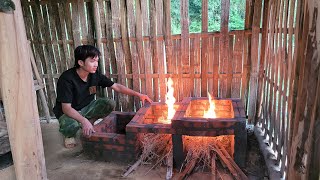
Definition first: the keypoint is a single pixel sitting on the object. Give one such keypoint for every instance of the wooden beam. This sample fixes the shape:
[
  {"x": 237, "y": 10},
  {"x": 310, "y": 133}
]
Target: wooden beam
[
  {"x": 307, "y": 106},
  {"x": 19, "y": 97}
]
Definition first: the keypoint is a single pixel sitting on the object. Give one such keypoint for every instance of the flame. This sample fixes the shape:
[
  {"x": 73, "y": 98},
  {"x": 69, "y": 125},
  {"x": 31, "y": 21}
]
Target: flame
[
  {"x": 211, "y": 111},
  {"x": 170, "y": 100}
]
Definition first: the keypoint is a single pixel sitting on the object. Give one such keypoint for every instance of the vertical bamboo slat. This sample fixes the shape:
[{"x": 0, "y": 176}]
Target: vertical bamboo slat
[
  {"x": 225, "y": 85},
  {"x": 134, "y": 53},
  {"x": 140, "y": 45},
  {"x": 237, "y": 65},
  {"x": 204, "y": 49},
  {"x": 146, "y": 47},
  {"x": 126, "y": 49},
  {"x": 215, "y": 91},
  {"x": 160, "y": 46},
  {"x": 115, "y": 8},
  {"x": 184, "y": 60},
  {"x": 154, "y": 48},
  {"x": 254, "y": 61}
]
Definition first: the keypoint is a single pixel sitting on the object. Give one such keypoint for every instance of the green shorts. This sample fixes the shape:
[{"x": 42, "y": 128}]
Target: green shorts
[{"x": 96, "y": 109}]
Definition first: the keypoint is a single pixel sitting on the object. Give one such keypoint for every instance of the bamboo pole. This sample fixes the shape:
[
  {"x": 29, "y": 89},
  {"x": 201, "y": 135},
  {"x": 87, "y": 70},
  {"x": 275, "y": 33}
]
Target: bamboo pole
[{"x": 19, "y": 98}]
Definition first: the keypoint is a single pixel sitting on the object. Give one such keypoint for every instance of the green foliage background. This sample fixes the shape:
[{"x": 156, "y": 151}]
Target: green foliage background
[{"x": 236, "y": 15}]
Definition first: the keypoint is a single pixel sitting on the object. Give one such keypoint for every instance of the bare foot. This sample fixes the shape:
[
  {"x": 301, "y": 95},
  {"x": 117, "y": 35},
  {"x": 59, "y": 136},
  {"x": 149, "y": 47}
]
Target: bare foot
[{"x": 70, "y": 142}]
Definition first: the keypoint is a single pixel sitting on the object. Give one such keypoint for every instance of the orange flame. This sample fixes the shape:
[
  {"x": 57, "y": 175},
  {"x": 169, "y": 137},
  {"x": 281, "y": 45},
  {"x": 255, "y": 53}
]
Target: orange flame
[
  {"x": 211, "y": 111},
  {"x": 170, "y": 100}
]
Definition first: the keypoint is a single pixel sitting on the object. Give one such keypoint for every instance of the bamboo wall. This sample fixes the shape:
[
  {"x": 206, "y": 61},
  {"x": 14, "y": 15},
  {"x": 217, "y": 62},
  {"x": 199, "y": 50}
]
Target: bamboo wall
[
  {"x": 138, "y": 49},
  {"x": 260, "y": 65}
]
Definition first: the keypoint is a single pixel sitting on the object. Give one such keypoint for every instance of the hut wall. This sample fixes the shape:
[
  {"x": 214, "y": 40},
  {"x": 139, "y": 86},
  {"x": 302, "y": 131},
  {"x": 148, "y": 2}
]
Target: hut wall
[
  {"x": 265, "y": 65},
  {"x": 138, "y": 48}
]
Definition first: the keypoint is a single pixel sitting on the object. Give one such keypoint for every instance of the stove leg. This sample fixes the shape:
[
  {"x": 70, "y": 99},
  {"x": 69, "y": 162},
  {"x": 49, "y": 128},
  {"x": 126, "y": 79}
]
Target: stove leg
[{"x": 178, "y": 153}]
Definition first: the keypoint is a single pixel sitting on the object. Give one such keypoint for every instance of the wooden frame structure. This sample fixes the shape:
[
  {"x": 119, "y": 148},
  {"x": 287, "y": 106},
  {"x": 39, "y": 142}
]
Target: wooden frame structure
[{"x": 273, "y": 65}]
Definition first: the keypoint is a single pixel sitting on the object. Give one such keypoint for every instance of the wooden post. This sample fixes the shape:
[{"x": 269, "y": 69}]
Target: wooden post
[
  {"x": 307, "y": 107},
  {"x": 254, "y": 61},
  {"x": 19, "y": 97}
]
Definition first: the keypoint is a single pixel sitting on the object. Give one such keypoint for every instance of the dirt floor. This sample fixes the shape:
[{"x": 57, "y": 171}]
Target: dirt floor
[{"x": 72, "y": 164}]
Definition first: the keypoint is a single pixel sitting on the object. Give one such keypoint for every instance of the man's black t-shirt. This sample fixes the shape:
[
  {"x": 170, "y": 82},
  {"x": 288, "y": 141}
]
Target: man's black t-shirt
[{"x": 72, "y": 89}]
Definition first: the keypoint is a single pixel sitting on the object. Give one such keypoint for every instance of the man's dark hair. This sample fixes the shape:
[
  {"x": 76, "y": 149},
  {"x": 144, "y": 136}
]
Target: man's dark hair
[{"x": 83, "y": 52}]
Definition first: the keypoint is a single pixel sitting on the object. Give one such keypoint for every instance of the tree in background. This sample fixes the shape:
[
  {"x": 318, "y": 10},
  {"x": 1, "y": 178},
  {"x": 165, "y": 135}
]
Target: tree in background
[{"x": 236, "y": 15}]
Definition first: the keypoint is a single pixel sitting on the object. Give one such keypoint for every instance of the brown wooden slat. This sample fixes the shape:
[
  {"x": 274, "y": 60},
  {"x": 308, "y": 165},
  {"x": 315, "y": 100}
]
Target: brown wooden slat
[
  {"x": 90, "y": 22},
  {"x": 237, "y": 65},
  {"x": 65, "y": 58},
  {"x": 185, "y": 64},
  {"x": 115, "y": 7},
  {"x": 75, "y": 24},
  {"x": 140, "y": 44},
  {"x": 225, "y": 87},
  {"x": 134, "y": 53},
  {"x": 210, "y": 65},
  {"x": 146, "y": 47},
  {"x": 216, "y": 61},
  {"x": 154, "y": 48},
  {"x": 110, "y": 61},
  {"x": 287, "y": 84},
  {"x": 126, "y": 49},
  {"x": 204, "y": 50},
  {"x": 254, "y": 61},
  {"x": 160, "y": 46}
]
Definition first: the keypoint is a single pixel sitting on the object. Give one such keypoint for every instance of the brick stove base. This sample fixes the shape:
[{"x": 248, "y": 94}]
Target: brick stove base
[{"x": 110, "y": 142}]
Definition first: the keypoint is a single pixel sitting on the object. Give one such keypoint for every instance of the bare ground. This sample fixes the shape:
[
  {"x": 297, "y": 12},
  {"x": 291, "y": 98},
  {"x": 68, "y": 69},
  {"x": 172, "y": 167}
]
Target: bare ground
[{"x": 72, "y": 164}]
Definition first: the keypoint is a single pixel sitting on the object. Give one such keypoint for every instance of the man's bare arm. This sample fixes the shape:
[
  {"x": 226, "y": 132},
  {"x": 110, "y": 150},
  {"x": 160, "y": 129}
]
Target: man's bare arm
[{"x": 122, "y": 89}]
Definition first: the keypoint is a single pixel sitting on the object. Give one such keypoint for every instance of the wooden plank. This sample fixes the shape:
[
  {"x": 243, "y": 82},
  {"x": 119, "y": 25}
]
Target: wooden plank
[
  {"x": 204, "y": 49},
  {"x": 237, "y": 64},
  {"x": 146, "y": 47},
  {"x": 185, "y": 64},
  {"x": 69, "y": 35},
  {"x": 224, "y": 49},
  {"x": 177, "y": 69},
  {"x": 196, "y": 68},
  {"x": 213, "y": 166},
  {"x": 210, "y": 65},
  {"x": 169, "y": 43},
  {"x": 75, "y": 23},
  {"x": 307, "y": 105},
  {"x": 273, "y": 132},
  {"x": 90, "y": 22},
  {"x": 126, "y": 49},
  {"x": 61, "y": 31},
  {"x": 247, "y": 53},
  {"x": 287, "y": 84},
  {"x": 160, "y": 45},
  {"x": 22, "y": 120},
  {"x": 140, "y": 44},
  {"x": 215, "y": 91},
  {"x": 134, "y": 53},
  {"x": 115, "y": 8},
  {"x": 262, "y": 66},
  {"x": 283, "y": 80},
  {"x": 254, "y": 61},
  {"x": 111, "y": 61},
  {"x": 154, "y": 48}
]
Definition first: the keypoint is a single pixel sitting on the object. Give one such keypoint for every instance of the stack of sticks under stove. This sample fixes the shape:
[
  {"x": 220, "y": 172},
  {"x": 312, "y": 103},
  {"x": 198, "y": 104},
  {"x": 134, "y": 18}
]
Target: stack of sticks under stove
[{"x": 201, "y": 151}]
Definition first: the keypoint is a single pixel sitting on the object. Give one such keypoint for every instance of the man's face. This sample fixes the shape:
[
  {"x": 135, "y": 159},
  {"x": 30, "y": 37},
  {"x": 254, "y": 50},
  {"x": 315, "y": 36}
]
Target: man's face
[{"x": 90, "y": 64}]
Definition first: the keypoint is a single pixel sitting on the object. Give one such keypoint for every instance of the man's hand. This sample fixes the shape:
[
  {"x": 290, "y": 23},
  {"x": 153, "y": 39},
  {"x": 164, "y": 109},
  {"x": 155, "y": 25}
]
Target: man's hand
[
  {"x": 87, "y": 129},
  {"x": 144, "y": 98}
]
